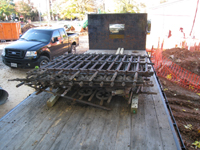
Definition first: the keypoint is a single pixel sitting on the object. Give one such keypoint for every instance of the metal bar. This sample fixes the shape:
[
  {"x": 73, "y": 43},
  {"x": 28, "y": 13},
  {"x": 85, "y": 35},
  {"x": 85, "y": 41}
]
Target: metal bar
[
  {"x": 146, "y": 65},
  {"x": 66, "y": 91},
  {"x": 109, "y": 99},
  {"x": 110, "y": 66},
  {"x": 102, "y": 57},
  {"x": 114, "y": 76},
  {"x": 69, "y": 65},
  {"x": 95, "y": 58},
  {"x": 116, "y": 58},
  {"x": 119, "y": 66},
  {"x": 94, "y": 65},
  {"x": 94, "y": 75},
  {"x": 109, "y": 58},
  {"x": 102, "y": 66},
  {"x": 20, "y": 84},
  {"x": 130, "y": 98},
  {"x": 88, "y": 57},
  {"x": 90, "y": 98},
  {"x": 124, "y": 58},
  {"x": 77, "y": 66},
  {"x": 73, "y": 76},
  {"x": 84, "y": 67},
  {"x": 128, "y": 67}
]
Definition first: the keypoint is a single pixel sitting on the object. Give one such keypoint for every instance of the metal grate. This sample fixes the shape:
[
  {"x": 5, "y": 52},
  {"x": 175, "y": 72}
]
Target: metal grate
[
  {"x": 103, "y": 75},
  {"x": 94, "y": 70}
]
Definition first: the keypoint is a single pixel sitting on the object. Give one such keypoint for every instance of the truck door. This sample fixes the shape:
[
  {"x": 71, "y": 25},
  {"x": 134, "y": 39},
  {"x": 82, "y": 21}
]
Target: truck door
[
  {"x": 65, "y": 43},
  {"x": 56, "y": 44}
]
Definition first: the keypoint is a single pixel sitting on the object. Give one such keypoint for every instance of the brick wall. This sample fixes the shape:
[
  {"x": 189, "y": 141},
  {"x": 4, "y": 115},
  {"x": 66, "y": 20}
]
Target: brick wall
[{"x": 134, "y": 33}]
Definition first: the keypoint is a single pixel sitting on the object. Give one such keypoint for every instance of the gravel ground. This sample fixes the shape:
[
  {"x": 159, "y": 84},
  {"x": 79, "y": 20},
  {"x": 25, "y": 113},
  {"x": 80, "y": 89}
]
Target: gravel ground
[{"x": 16, "y": 95}]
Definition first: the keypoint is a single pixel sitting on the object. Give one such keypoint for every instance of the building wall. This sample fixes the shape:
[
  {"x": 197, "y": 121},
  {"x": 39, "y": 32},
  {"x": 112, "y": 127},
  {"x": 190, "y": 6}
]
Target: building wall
[{"x": 173, "y": 16}]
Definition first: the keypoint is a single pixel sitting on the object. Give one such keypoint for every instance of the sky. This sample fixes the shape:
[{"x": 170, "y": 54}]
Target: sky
[{"x": 170, "y": 15}]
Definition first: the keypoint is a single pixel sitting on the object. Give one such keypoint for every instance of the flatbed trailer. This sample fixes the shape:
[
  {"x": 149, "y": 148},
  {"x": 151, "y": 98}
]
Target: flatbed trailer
[
  {"x": 70, "y": 125},
  {"x": 32, "y": 125}
]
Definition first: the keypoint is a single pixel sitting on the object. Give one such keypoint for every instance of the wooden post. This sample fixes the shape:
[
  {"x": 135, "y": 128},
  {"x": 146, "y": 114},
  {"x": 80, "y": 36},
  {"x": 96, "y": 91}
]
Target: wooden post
[
  {"x": 134, "y": 104},
  {"x": 53, "y": 99}
]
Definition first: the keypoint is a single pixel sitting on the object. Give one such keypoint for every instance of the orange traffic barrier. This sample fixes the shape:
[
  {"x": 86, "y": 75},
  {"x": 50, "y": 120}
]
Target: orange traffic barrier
[{"x": 173, "y": 72}]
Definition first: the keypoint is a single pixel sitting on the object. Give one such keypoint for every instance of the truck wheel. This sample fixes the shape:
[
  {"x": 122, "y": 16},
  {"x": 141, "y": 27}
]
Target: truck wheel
[
  {"x": 73, "y": 49},
  {"x": 43, "y": 61}
]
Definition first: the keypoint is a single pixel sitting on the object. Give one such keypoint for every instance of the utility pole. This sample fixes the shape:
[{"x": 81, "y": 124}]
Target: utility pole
[
  {"x": 52, "y": 10},
  {"x": 48, "y": 12},
  {"x": 39, "y": 12}
]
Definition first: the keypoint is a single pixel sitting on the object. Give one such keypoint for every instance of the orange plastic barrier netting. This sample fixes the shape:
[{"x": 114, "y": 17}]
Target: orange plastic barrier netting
[{"x": 173, "y": 72}]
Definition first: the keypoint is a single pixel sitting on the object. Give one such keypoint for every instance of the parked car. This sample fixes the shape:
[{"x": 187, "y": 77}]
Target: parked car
[{"x": 38, "y": 46}]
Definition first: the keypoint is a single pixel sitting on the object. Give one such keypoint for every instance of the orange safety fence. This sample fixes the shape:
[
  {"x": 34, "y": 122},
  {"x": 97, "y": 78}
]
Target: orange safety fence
[{"x": 173, "y": 72}]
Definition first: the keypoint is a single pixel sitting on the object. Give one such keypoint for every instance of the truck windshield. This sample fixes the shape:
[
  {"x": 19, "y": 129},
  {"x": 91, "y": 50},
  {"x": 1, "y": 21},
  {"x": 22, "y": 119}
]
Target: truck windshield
[{"x": 37, "y": 35}]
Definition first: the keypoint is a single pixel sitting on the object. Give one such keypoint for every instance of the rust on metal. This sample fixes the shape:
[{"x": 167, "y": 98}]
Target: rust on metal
[{"x": 93, "y": 74}]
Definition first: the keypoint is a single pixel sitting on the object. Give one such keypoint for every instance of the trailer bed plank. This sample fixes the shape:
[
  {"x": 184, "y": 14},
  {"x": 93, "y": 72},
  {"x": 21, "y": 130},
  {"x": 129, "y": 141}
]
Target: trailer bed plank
[
  {"x": 153, "y": 137},
  {"x": 164, "y": 126},
  {"x": 27, "y": 130},
  {"x": 108, "y": 138},
  {"x": 70, "y": 127},
  {"x": 124, "y": 127},
  {"x": 16, "y": 125},
  {"x": 38, "y": 135},
  {"x": 82, "y": 129},
  {"x": 12, "y": 119},
  {"x": 138, "y": 127}
]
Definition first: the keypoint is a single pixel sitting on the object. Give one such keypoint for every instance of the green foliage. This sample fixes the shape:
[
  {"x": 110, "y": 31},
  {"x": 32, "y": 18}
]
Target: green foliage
[
  {"x": 6, "y": 8},
  {"x": 68, "y": 9},
  {"x": 23, "y": 9},
  {"x": 128, "y": 6}
]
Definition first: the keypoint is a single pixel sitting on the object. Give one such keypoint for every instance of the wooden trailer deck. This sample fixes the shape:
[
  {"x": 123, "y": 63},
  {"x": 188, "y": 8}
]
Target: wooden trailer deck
[
  {"x": 73, "y": 126},
  {"x": 32, "y": 125}
]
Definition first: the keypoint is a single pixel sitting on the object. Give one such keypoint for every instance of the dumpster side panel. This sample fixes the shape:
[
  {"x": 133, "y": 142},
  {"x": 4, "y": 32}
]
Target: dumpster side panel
[
  {"x": 10, "y": 31},
  {"x": 1, "y": 32}
]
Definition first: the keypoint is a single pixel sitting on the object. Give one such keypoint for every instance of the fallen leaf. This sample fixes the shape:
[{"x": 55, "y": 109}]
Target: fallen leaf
[
  {"x": 196, "y": 144},
  {"x": 198, "y": 94},
  {"x": 183, "y": 110},
  {"x": 169, "y": 76},
  {"x": 189, "y": 126},
  {"x": 165, "y": 89}
]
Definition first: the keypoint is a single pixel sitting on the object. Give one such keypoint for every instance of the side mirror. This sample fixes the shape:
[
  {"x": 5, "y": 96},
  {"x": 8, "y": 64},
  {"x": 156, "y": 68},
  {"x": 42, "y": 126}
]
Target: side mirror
[
  {"x": 52, "y": 40},
  {"x": 148, "y": 28}
]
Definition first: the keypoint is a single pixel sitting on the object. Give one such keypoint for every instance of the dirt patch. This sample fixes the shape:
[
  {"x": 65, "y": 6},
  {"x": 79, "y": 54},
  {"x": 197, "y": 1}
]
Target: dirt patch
[
  {"x": 185, "y": 104},
  {"x": 26, "y": 27},
  {"x": 184, "y": 58}
]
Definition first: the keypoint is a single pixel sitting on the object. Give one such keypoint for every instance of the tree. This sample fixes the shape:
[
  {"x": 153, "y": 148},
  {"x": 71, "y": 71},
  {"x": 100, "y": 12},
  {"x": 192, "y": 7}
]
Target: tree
[
  {"x": 23, "y": 9},
  {"x": 128, "y": 6},
  {"x": 6, "y": 8},
  {"x": 73, "y": 8}
]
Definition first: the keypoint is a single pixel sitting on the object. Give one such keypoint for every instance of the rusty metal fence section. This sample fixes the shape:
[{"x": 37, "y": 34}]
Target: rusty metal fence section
[
  {"x": 103, "y": 75},
  {"x": 93, "y": 70}
]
